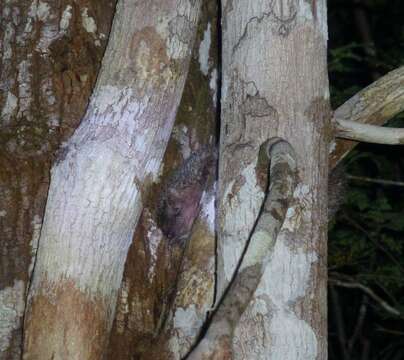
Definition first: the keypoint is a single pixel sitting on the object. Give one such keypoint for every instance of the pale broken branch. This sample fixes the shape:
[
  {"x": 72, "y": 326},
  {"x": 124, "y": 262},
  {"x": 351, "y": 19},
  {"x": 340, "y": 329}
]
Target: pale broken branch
[
  {"x": 216, "y": 344},
  {"x": 353, "y": 130},
  {"x": 374, "y": 105}
]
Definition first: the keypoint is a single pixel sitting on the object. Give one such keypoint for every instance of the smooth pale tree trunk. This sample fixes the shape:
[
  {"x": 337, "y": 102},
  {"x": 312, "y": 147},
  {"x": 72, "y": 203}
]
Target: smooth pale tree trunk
[
  {"x": 275, "y": 85},
  {"x": 49, "y": 58},
  {"x": 149, "y": 323},
  {"x": 102, "y": 176}
]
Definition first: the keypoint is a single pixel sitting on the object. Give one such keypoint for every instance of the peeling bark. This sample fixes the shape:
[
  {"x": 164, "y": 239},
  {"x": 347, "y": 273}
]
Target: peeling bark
[
  {"x": 49, "y": 63},
  {"x": 102, "y": 176},
  {"x": 275, "y": 85}
]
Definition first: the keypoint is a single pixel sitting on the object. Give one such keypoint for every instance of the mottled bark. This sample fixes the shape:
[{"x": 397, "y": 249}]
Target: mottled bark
[
  {"x": 148, "y": 324},
  {"x": 49, "y": 58},
  {"x": 275, "y": 85},
  {"x": 258, "y": 253},
  {"x": 102, "y": 176}
]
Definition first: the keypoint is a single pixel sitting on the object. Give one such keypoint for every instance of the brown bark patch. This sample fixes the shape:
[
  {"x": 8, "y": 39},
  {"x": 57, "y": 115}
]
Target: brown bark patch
[
  {"x": 319, "y": 106},
  {"x": 65, "y": 324},
  {"x": 148, "y": 51},
  {"x": 147, "y": 294}
]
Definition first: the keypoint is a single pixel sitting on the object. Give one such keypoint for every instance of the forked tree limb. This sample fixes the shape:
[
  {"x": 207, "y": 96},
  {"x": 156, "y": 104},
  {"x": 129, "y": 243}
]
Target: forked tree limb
[
  {"x": 374, "y": 105},
  {"x": 217, "y": 342}
]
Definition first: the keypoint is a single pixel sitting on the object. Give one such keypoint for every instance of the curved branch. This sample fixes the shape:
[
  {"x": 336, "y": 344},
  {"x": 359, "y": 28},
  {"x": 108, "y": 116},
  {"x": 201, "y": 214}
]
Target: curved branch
[
  {"x": 353, "y": 130},
  {"x": 216, "y": 344},
  {"x": 376, "y": 104}
]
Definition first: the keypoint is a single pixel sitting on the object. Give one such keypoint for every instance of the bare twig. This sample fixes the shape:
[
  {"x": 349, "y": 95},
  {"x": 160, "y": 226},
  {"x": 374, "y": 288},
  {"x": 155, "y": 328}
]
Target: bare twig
[
  {"x": 217, "y": 341},
  {"x": 389, "y": 331},
  {"x": 376, "y": 181},
  {"x": 369, "y": 292}
]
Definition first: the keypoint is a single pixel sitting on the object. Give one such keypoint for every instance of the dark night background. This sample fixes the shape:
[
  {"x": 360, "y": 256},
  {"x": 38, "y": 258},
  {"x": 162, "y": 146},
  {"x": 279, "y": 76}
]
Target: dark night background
[{"x": 366, "y": 238}]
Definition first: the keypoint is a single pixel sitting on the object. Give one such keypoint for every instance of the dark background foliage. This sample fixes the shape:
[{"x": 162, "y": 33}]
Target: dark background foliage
[{"x": 366, "y": 238}]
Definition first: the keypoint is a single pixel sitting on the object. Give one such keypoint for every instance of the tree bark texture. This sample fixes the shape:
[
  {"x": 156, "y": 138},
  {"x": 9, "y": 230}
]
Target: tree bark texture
[
  {"x": 218, "y": 339},
  {"x": 168, "y": 284},
  {"x": 275, "y": 85},
  {"x": 49, "y": 58},
  {"x": 102, "y": 176}
]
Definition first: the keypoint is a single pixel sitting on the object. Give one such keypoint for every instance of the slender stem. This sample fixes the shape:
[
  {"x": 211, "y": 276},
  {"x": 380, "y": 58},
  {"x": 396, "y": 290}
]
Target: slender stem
[
  {"x": 369, "y": 292},
  {"x": 376, "y": 181},
  {"x": 388, "y": 331}
]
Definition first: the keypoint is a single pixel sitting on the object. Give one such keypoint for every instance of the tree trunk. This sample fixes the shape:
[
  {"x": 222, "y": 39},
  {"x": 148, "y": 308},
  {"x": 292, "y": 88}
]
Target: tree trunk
[
  {"x": 101, "y": 178},
  {"x": 49, "y": 59},
  {"x": 149, "y": 323},
  {"x": 275, "y": 85}
]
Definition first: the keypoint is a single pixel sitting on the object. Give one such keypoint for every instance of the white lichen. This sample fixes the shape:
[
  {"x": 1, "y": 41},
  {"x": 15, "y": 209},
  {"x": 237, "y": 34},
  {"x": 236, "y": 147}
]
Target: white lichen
[
  {"x": 88, "y": 22},
  {"x": 24, "y": 79},
  {"x": 90, "y": 26},
  {"x": 181, "y": 135},
  {"x": 65, "y": 19},
  {"x": 204, "y": 49},
  {"x": 208, "y": 209},
  {"x": 154, "y": 236},
  {"x": 7, "y": 50},
  {"x": 11, "y": 311},
  {"x": 9, "y": 107},
  {"x": 333, "y": 146},
  {"x": 213, "y": 85},
  {"x": 42, "y": 11}
]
